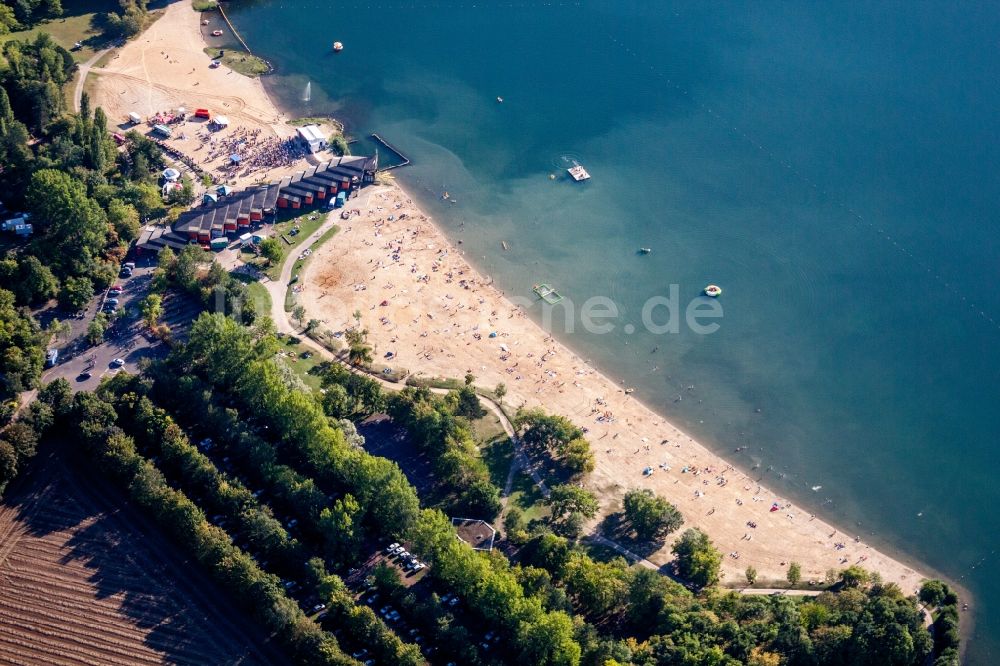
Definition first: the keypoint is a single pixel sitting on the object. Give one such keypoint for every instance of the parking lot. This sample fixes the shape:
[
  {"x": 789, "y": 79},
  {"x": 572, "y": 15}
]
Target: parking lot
[{"x": 84, "y": 366}]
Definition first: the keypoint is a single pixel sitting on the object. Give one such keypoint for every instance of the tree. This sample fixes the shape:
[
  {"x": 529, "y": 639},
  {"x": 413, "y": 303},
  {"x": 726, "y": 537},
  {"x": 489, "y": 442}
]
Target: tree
[
  {"x": 299, "y": 314},
  {"x": 152, "y": 310},
  {"x": 854, "y": 576},
  {"x": 697, "y": 559},
  {"x": 500, "y": 391},
  {"x": 76, "y": 293},
  {"x": 72, "y": 226},
  {"x": 794, "y": 574},
  {"x": 933, "y": 592},
  {"x": 124, "y": 218},
  {"x": 751, "y": 575},
  {"x": 96, "y": 329},
  {"x": 270, "y": 249},
  {"x": 35, "y": 282},
  {"x": 21, "y": 351},
  {"x": 184, "y": 195},
  {"x": 468, "y": 403},
  {"x": 8, "y": 463},
  {"x": 577, "y": 457},
  {"x": 359, "y": 355},
  {"x": 566, "y": 500},
  {"x": 651, "y": 516}
]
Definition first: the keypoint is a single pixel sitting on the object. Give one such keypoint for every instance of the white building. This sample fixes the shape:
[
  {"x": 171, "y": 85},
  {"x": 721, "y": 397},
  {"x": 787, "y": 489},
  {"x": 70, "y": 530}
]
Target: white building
[{"x": 312, "y": 137}]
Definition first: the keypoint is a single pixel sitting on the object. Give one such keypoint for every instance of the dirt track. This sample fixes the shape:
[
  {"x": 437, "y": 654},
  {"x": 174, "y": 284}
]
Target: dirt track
[{"x": 82, "y": 583}]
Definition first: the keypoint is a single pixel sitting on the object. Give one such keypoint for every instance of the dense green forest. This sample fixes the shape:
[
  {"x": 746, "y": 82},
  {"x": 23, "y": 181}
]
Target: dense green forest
[{"x": 86, "y": 200}]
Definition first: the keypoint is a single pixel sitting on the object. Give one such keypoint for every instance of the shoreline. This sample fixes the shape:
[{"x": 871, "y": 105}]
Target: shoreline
[
  {"x": 339, "y": 283},
  {"x": 908, "y": 575}
]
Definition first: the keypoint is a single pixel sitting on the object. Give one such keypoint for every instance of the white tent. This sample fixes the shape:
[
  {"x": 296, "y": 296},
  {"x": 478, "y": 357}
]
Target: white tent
[
  {"x": 135, "y": 117},
  {"x": 221, "y": 121},
  {"x": 171, "y": 174}
]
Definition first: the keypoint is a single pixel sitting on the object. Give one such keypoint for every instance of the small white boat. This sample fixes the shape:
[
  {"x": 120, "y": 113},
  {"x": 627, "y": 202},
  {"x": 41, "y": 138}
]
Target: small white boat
[
  {"x": 499, "y": 100},
  {"x": 337, "y": 47},
  {"x": 645, "y": 250},
  {"x": 216, "y": 33},
  {"x": 713, "y": 290}
]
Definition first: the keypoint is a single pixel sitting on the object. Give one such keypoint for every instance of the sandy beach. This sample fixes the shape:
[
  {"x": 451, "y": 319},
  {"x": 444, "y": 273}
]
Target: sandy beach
[
  {"x": 421, "y": 300},
  {"x": 166, "y": 68}
]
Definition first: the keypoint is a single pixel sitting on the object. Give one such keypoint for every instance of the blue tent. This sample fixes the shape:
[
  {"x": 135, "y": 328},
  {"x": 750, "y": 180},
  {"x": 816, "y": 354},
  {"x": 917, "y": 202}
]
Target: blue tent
[
  {"x": 235, "y": 159},
  {"x": 209, "y": 198},
  {"x": 224, "y": 190}
]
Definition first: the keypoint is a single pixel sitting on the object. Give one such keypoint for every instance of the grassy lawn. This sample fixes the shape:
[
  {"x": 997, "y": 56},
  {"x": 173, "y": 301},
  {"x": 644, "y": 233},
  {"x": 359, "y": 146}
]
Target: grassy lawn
[
  {"x": 292, "y": 352},
  {"x": 307, "y": 224},
  {"x": 526, "y": 497},
  {"x": 315, "y": 120},
  {"x": 260, "y": 297},
  {"x": 498, "y": 454},
  {"x": 239, "y": 62},
  {"x": 74, "y": 26},
  {"x": 487, "y": 428}
]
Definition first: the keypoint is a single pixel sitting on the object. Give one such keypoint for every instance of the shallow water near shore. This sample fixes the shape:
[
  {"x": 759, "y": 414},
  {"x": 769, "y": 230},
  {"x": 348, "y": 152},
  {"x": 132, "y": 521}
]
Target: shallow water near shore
[{"x": 831, "y": 167}]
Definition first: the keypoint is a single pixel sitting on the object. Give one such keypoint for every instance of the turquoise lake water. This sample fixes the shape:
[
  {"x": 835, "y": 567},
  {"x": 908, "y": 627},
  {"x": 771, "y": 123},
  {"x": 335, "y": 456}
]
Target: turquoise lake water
[{"x": 834, "y": 167}]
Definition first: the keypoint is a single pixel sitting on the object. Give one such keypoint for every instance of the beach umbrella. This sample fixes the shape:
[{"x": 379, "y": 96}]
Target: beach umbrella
[{"x": 209, "y": 198}]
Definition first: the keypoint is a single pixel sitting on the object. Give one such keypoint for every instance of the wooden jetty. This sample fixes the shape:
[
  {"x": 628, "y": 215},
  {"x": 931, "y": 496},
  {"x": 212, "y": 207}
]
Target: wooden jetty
[{"x": 391, "y": 148}]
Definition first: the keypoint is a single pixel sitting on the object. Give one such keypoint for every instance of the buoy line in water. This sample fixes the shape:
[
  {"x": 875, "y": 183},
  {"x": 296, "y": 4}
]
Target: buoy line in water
[{"x": 853, "y": 214}]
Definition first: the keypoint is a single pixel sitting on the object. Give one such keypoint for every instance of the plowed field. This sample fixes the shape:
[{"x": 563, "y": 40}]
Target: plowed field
[{"x": 83, "y": 580}]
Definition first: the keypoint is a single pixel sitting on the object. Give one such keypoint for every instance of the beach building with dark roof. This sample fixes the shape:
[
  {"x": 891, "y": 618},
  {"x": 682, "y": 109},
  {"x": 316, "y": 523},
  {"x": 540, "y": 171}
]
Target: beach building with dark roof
[{"x": 236, "y": 212}]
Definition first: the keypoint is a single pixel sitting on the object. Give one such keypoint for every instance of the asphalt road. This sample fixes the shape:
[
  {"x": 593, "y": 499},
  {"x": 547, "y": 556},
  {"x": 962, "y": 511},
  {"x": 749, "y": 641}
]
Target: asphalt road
[{"x": 125, "y": 340}]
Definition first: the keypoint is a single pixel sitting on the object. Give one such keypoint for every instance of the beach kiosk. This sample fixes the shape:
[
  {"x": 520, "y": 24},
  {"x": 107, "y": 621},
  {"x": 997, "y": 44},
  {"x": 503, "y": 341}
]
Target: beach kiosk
[
  {"x": 134, "y": 118},
  {"x": 219, "y": 244},
  {"x": 163, "y": 130},
  {"x": 246, "y": 239},
  {"x": 220, "y": 122},
  {"x": 312, "y": 137},
  {"x": 340, "y": 200}
]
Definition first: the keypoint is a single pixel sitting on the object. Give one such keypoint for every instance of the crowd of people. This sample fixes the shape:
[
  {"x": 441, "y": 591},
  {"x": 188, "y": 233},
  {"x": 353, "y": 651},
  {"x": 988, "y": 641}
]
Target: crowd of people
[{"x": 255, "y": 153}]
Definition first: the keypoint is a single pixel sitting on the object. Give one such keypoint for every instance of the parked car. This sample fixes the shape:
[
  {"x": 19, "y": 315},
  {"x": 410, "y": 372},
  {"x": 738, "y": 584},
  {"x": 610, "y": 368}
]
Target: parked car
[
  {"x": 51, "y": 357},
  {"x": 125, "y": 273},
  {"x": 117, "y": 363},
  {"x": 391, "y": 548}
]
